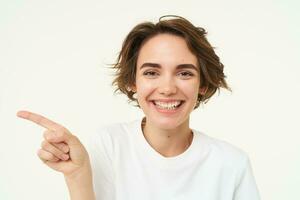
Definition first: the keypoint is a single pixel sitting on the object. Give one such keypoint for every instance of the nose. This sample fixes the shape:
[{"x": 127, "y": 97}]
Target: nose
[{"x": 167, "y": 86}]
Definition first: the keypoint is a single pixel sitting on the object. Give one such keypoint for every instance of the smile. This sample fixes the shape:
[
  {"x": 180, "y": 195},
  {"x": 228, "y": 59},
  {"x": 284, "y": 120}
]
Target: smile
[{"x": 170, "y": 105}]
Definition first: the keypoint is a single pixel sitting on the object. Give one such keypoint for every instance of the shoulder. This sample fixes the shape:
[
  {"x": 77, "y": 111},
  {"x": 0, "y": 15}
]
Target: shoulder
[
  {"x": 116, "y": 131},
  {"x": 110, "y": 139},
  {"x": 225, "y": 152}
]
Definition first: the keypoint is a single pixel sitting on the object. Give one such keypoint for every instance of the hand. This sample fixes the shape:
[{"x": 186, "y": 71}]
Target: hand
[{"x": 61, "y": 150}]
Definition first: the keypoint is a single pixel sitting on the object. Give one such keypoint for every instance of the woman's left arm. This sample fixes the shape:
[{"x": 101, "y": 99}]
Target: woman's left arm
[{"x": 246, "y": 188}]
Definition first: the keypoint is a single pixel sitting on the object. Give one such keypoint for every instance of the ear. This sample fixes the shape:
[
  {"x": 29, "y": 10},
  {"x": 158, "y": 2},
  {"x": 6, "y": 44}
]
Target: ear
[{"x": 203, "y": 90}]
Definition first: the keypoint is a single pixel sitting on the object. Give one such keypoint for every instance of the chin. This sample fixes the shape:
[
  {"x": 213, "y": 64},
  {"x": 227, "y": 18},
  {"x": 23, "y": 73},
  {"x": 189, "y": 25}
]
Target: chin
[
  {"x": 166, "y": 120},
  {"x": 167, "y": 123}
]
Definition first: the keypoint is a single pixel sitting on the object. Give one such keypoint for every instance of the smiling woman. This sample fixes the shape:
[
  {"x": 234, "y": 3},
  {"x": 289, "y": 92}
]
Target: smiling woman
[
  {"x": 194, "y": 42},
  {"x": 175, "y": 84},
  {"x": 169, "y": 69}
]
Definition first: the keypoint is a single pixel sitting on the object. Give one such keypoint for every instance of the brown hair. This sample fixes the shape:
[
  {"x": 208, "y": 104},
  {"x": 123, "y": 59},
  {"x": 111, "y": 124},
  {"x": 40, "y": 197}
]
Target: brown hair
[{"x": 211, "y": 69}]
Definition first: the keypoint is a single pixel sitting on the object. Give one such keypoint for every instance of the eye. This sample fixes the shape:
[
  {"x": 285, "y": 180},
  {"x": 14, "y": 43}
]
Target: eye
[
  {"x": 186, "y": 74},
  {"x": 150, "y": 73}
]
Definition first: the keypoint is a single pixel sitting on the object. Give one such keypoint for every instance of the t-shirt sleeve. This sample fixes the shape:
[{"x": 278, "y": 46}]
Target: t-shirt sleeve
[
  {"x": 100, "y": 154},
  {"x": 246, "y": 188}
]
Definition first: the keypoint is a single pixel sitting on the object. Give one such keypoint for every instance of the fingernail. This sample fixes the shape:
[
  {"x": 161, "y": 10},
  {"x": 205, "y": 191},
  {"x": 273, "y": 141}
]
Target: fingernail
[
  {"x": 65, "y": 156},
  {"x": 66, "y": 149}
]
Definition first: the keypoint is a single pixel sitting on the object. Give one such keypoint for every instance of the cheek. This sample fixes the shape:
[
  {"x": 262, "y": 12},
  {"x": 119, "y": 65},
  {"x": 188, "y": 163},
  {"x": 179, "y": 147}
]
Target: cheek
[
  {"x": 144, "y": 88},
  {"x": 190, "y": 89},
  {"x": 141, "y": 84}
]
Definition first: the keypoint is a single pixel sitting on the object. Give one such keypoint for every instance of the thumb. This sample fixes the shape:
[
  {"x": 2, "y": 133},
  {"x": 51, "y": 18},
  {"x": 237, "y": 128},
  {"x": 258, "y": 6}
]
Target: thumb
[{"x": 61, "y": 136}]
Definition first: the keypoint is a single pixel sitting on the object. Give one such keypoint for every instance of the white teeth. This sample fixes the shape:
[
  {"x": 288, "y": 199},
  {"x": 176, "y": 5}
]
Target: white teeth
[{"x": 169, "y": 106}]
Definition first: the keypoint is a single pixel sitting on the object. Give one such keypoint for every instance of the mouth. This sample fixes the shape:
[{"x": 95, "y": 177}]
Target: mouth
[{"x": 167, "y": 105}]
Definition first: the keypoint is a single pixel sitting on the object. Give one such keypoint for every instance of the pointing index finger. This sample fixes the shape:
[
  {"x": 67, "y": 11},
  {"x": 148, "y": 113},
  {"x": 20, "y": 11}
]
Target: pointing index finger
[{"x": 38, "y": 119}]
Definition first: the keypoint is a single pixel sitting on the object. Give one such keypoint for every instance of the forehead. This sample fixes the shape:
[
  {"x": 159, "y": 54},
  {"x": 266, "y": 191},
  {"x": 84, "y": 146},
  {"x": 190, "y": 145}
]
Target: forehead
[{"x": 166, "y": 49}]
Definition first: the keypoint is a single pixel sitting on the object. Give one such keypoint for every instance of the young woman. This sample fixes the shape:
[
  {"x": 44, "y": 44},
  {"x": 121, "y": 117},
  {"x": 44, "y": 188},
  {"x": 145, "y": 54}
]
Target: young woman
[{"x": 169, "y": 69}]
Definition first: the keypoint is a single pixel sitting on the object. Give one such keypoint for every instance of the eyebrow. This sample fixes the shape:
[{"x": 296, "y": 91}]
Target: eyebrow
[{"x": 180, "y": 66}]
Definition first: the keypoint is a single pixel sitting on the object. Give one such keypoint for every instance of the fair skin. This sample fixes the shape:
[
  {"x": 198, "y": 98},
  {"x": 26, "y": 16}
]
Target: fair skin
[
  {"x": 167, "y": 74},
  {"x": 63, "y": 152}
]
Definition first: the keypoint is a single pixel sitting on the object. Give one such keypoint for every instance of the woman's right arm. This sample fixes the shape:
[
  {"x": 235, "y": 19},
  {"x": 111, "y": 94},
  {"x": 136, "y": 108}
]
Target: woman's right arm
[
  {"x": 80, "y": 186},
  {"x": 63, "y": 152}
]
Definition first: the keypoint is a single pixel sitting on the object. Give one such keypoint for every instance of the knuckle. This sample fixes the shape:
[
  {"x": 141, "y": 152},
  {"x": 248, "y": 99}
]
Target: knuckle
[
  {"x": 44, "y": 144},
  {"x": 50, "y": 156},
  {"x": 66, "y": 148},
  {"x": 60, "y": 133},
  {"x": 62, "y": 147},
  {"x": 46, "y": 156},
  {"x": 39, "y": 152},
  {"x": 45, "y": 134},
  {"x": 42, "y": 155},
  {"x": 75, "y": 137},
  {"x": 57, "y": 152},
  {"x": 61, "y": 129},
  {"x": 55, "y": 159}
]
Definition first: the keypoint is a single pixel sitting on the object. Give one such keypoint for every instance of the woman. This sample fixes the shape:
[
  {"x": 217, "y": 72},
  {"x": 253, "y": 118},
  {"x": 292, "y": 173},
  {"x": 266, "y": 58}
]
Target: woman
[{"x": 169, "y": 69}]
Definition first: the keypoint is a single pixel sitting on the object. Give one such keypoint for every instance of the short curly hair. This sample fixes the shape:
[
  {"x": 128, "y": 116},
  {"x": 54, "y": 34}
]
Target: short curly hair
[{"x": 212, "y": 77}]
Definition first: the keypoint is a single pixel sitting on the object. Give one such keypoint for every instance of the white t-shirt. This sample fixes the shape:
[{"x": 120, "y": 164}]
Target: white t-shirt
[{"x": 126, "y": 167}]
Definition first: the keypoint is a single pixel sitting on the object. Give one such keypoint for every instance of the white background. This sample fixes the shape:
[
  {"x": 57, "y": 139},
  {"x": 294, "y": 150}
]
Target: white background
[{"x": 53, "y": 61}]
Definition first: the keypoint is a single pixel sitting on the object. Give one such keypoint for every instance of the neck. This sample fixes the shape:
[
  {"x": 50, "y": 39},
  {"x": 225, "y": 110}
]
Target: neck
[{"x": 168, "y": 142}]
